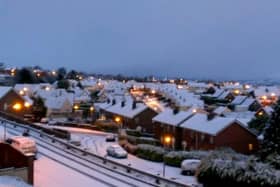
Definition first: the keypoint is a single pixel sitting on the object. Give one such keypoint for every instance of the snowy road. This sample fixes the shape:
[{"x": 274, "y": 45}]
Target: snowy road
[{"x": 79, "y": 167}]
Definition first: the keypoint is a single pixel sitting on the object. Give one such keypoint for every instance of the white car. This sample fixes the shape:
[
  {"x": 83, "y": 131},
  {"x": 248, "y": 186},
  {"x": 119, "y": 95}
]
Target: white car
[
  {"x": 45, "y": 120},
  {"x": 116, "y": 151},
  {"x": 189, "y": 166}
]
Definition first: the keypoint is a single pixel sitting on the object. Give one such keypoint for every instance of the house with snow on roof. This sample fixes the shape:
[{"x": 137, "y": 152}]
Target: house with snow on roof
[
  {"x": 13, "y": 103},
  {"x": 129, "y": 114},
  {"x": 203, "y": 133}
]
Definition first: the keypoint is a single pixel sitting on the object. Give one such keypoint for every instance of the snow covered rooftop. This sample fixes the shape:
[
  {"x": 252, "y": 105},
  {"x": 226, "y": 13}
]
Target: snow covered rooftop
[
  {"x": 168, "y": 117},
  {"x": 221, "y": 109},
  {"x": 238, "y": 100},
  {"x": 200, "y": 123},
  {"x": 127, "y": 110},
  {"x": 4, "y": 90}
]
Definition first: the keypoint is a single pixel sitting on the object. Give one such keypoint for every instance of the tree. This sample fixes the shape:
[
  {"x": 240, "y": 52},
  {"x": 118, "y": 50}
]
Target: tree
[
  {"x": 80, "y": 85},
  {"x": 25, "y": 75},
  {"x": 72, "y": 75},
  {"x": 271, "y": 143},
  {"x": 63, "y": 84},
  {"x": 61, "y": 72},
  {"x": 39, "y": 109},
  {"x": 258, "y": 124}
]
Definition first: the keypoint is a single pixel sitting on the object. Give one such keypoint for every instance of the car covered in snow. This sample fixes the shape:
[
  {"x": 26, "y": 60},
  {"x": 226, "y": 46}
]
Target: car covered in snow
[
  {"x": 189, "y": 166},
  {"x": 44, "y": 120},
  {"x": 116, "y": 151},
  {"x": 110, "y": 138}
]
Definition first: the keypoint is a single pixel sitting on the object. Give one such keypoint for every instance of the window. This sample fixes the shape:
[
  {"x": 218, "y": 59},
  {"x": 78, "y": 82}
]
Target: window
[
  {"x": 211, "y": 140},
  {"x": 137, "y": 120},
  {"x": 202, "y": 137},
  {"x": 251, "y": 147}
]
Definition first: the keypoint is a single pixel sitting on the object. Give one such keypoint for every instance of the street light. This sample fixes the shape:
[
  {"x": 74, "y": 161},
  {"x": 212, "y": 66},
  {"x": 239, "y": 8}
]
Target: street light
[{"x": 166, "y": 143}]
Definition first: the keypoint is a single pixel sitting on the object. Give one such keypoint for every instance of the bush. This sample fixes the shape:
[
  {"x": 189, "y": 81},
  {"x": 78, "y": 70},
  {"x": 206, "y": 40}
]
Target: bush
[
  {"x": 128, "y": 147},
  {"x": 150, "y": 152},
  {"x": 274, "y": 160},
  {"x": 175, "y": 158},
  {"x": 142, "y": 140},
  {"x": 227, "y": 169},
  {"x": 133, "y": 133}
]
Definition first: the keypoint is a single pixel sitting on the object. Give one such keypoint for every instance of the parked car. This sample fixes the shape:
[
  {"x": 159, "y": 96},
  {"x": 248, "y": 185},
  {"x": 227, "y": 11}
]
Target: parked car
[
  {"x": 44, "y": 120},
  {"x": 110, "y": 138},
  {"x": 116, "y": 151},
  {"x": 189, "y": 166}
]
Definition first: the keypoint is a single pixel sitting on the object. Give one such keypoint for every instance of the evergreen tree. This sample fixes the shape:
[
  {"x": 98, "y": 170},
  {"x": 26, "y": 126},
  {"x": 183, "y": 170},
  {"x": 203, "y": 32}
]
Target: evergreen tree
[
  {"x": 271, "y": 142},
  {"x": 25, "y": 75},
  {"x": 39, "y": 109},
  {"x": 63, "y": 84},
  {"x": 258, "y": 124}
]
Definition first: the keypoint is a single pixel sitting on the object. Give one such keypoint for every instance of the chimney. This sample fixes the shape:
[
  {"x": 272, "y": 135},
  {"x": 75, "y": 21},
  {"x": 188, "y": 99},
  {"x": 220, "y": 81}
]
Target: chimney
[
  {"x": 176, "y": 110},
  {"x": 210, "y": 116},
  {"x": 123, "y": 104},
  {"x": 134, "y": 105}
]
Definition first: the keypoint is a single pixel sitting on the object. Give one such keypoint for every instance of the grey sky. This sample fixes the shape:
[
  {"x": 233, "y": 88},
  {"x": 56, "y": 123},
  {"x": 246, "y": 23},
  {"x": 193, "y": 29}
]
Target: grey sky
[{"x": 192, "y": 38}]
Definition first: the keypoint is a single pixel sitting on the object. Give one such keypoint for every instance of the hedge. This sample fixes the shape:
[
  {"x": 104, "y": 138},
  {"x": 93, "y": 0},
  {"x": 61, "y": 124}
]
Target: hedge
[
  {"x": 150, "y": 152},
  {"x": 224, "y": 169}
]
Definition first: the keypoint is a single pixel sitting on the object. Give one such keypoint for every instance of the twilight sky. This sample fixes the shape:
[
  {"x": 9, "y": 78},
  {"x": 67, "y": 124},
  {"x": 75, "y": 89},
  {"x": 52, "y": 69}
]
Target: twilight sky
[{"x": 232, "y": 39}]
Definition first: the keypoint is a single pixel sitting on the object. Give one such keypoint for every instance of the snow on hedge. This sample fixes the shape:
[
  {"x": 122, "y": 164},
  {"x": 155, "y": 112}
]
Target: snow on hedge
[
  {"x": 221, "y": 167},
  {"x": 151, "y": 148}
]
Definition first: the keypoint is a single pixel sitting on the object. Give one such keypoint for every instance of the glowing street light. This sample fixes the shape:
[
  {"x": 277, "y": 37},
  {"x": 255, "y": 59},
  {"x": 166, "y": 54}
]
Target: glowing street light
[
  {"x": 167, "y": 140},
  {"x": 237, "y": 92},
  {"x": 91, "y": 108},
  {"x": 27, "y": 105},
  {"x": 21, "y": 92},
  {"x": 76, "y": 107},
  {"x": 264, "y": 97},
  {"x": 117, "y": 119}
]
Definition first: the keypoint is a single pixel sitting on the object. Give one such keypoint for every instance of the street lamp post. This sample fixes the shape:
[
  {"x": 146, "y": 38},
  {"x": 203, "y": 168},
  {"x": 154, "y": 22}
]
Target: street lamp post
[{"x": 166, "y": 142}]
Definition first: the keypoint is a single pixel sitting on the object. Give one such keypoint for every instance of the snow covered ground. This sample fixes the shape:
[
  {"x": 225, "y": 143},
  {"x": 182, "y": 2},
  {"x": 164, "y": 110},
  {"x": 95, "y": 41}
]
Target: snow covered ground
[
  {"x": 50, "y": 173},
  {"x": 8, "y": 181},
  {"x": 94, "y": 141}
]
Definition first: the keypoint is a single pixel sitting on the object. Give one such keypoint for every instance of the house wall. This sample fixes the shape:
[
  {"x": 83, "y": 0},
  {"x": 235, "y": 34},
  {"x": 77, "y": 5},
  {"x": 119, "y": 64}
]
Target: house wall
[
  {"x": 144, "y": 120},
  {"x": 17, "y": 172},
  {"x": 12, "y": 158},
  {"x": 234, "y": 136},
  {"x": 238, "y": 138}
]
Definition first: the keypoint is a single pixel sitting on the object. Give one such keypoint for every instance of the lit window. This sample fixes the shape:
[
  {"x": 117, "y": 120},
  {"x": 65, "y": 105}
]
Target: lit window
[{"x": 250, "y": 146}]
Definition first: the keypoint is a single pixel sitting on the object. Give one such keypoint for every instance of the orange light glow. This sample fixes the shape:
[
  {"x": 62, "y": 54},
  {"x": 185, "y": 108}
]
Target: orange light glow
[
  {"x": 167, "y": 139},
  {"x": 117, "y": 119},
  {"x": 91, "y": 108},
  {"x": 76, "y": 107},
  {"x": 17, "y": 106},
  {"x": 27, "y": 105}
]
